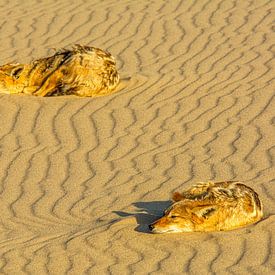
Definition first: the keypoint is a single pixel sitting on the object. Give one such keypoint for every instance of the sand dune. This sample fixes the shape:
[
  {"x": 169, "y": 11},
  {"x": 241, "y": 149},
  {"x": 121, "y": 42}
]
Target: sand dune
[{"x": 81, "y": 178}]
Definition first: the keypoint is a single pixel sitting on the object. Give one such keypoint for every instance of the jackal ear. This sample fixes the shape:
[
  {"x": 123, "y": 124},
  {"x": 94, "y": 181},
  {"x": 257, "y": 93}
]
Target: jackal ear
[
  {"x": 16, "y": 71},
  {"x": 204, "y": 211},
  {"x": 200, "y": 213},
  {"x": 177, "y": 196}
]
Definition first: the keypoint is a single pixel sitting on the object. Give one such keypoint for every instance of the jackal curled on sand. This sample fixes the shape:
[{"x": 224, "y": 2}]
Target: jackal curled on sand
[
  {"x": 210, "y": 207},
  {"x": 82, "y": 71}
]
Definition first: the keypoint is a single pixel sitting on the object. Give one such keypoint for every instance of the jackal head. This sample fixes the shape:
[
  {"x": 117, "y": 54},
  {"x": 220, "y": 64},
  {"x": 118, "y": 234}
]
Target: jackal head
[{"x": 182, "y": 216}]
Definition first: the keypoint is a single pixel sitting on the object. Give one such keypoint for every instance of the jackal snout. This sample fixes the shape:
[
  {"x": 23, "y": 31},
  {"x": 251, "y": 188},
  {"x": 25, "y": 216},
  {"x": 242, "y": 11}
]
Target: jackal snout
[
  {"x": 175, "y": 219},
  {"x": 151, "y": 226}
]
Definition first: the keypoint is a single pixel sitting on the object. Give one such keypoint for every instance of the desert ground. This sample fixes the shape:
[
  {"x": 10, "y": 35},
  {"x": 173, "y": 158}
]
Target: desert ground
[{"x": 81, "y": 178}]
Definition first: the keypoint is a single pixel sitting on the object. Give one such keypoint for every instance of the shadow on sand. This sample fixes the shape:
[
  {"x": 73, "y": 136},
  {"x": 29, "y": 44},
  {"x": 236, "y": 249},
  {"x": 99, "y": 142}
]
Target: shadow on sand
[{"x": 147, "y": 213}]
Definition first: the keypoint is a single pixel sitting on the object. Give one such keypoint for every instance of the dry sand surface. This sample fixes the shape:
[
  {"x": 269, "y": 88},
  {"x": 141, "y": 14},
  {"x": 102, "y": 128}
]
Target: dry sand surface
[{"x": 81, "y": 178}]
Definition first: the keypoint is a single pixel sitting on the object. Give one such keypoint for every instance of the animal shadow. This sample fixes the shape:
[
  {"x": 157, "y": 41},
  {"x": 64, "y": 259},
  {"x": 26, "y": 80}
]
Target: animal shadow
[{"x": 147, "y": 213}]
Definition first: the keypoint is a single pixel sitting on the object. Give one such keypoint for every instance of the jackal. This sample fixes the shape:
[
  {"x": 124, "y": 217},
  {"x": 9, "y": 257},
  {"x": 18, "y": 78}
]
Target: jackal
[
  {"x": 82, "y": 71},
  {"x": 210, "y": 207}
]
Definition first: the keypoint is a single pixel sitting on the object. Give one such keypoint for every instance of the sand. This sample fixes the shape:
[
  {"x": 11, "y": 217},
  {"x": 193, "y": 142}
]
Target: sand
[{"x": 81, "y": 178}]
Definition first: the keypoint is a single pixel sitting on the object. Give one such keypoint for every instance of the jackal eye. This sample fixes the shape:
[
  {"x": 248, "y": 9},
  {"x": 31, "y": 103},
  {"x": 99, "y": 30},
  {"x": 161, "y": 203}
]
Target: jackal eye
[{"x": 173, "y": 216}]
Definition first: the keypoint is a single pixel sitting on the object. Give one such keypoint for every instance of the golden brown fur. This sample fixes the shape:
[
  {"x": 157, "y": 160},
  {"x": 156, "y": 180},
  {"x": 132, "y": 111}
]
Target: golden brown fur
[
  {"x": 82, "y": 71},
  {"x": 211, "y": 207}
]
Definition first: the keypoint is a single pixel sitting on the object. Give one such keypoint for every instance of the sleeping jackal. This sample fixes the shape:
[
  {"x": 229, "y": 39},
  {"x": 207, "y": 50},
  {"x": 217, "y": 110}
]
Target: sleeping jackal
[
  {"x": 82, "y": 71},
  {"x": 210, "y": 207}
]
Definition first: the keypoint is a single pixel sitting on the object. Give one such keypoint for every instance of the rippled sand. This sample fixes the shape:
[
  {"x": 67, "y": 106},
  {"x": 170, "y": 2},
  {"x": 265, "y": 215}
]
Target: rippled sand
[{"x": 81, "y": 178}]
